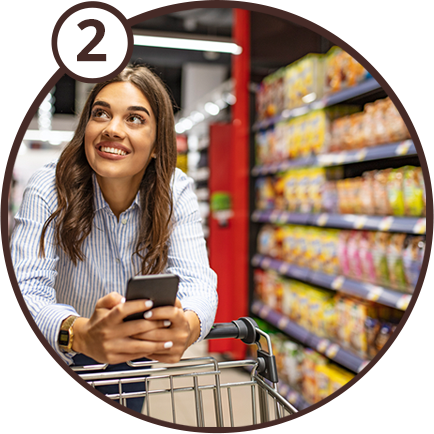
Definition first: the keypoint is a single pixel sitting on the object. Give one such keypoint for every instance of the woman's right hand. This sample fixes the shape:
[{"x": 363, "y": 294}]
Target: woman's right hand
[{"x": 106, "y": 338}]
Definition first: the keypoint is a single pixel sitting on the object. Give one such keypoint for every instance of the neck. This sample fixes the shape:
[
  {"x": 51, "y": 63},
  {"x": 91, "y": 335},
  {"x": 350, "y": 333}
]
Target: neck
[{"x": 119, "y": 193}]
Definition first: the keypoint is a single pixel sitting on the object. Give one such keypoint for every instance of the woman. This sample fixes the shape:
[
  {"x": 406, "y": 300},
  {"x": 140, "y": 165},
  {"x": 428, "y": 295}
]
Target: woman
[{"x": 114, "y": 206}]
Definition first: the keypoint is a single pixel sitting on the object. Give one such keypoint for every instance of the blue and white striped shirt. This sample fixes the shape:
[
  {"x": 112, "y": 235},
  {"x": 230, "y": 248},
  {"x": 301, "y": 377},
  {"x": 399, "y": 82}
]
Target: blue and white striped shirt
[{"x": 54, "y": 288}]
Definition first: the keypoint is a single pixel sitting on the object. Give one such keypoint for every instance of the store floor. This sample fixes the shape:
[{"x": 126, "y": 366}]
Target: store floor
[{"x": 160, "y": 405}]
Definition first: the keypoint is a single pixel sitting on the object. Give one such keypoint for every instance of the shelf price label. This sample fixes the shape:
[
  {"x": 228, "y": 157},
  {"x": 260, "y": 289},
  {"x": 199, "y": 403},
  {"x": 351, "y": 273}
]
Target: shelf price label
[
  {"x": 322, "y": 219},
  {"x": 266, "y": 262},
  {"x": 402, "y": 148},
  {"x": 284, "y": 268},
  {"x": 341, "y": 158},
  {"x": 420, "y": 226},
  {"x": 386, "y": 223},
  {"x": 332, "y": 350},
  {"x": 363, "y": 365},
  {"x": 256, "y": 260},
  {"x": 361, "y": 155},
  {"x": 274, "y": 216},
  {"x": 322, "y": 345},
  {"x": 283, "y": 322},
  {"x": 360, "y": 222},
  {"x": 264, "y": 311},
  {"x": 374, "y": 292},
  {"x": 338, "y": 282},
  {"x": 403, "y": 302}
]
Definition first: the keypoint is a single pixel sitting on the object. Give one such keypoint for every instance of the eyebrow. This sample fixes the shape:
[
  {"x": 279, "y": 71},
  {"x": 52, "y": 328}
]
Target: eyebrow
[{"x": 130, "y": 108}]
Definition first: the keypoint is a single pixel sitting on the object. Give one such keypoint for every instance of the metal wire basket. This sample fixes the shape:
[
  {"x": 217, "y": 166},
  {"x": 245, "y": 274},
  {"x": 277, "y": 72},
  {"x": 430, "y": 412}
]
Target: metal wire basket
[{"x": 202, "y": 391}]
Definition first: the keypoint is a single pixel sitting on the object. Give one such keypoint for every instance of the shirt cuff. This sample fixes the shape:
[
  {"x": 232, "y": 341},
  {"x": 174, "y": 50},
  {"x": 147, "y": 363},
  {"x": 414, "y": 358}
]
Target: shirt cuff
[{"x": 204, "y": 312}]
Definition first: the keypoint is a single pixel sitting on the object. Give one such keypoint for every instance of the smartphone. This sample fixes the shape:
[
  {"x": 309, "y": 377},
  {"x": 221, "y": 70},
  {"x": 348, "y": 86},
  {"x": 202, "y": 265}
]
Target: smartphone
[{"x": 160, "y": 288}]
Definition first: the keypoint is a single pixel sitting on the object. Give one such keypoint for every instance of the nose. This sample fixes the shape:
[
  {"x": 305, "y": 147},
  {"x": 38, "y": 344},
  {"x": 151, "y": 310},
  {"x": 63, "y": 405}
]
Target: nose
[{"x": 114, "y": 129}]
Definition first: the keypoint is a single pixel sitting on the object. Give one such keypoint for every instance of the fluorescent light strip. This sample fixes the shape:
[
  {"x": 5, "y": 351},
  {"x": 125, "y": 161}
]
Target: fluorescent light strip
[
  {"x": 187, "y": 44},
  {"x": 50, "y": 135}
]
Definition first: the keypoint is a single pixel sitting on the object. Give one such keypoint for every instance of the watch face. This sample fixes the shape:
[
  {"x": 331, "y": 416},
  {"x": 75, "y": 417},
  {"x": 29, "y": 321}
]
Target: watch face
[{"x": 63, "y": 337}]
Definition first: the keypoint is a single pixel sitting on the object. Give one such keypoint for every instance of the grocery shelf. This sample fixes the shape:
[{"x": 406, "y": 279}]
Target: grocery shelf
[
  {"x": 380, "y": 152},
  {"x": 352, "y": 92},
  {"x": 324, "y": 346},
  {"x": 293, "y": 396},
  {"x": 411, "y": 225},
  {"x": 364, "y": 290}
]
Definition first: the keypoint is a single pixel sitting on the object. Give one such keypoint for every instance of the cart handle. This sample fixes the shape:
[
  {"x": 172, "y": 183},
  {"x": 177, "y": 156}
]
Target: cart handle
[{"x": 242, "y": 328}]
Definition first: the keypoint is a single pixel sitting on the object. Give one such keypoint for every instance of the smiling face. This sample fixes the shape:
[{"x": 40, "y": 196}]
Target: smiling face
[{"x": 120, "y": 133}]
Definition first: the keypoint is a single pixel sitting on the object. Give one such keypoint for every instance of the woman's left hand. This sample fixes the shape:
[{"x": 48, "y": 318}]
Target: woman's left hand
[{"x": 183, "y": 331}]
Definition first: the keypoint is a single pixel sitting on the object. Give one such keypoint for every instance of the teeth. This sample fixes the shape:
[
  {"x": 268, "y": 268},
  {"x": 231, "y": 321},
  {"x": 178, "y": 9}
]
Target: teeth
[{"x": 113, "y": 151}]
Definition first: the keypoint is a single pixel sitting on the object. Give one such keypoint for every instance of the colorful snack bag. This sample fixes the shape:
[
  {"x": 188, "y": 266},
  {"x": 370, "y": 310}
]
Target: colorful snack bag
[
  {"x": 381, "y": 199},
  {"x": 366, "y": 244},
  {"x": 395, "y": 192},
  {"x": 355, "y": 265},
  {"x": 372, "y": 328},
  {"x": 381, "y": 244},
  {"x": 367, "y": 203},
  {"x": 413, "y": 192},
  {"x": 395, "y": 262},
  {"x": 343, "y": 257}
]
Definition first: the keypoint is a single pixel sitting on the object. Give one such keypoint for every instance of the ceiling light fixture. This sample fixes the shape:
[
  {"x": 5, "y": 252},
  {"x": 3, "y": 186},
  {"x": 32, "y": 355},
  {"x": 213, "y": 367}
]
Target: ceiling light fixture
[{"x": 187, "y": 44}]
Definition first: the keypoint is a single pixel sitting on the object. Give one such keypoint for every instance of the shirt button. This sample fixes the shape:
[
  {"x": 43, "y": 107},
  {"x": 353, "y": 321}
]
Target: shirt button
[
  {"x": 118, "y": 260},
  {"x": 124, "y": 221}
]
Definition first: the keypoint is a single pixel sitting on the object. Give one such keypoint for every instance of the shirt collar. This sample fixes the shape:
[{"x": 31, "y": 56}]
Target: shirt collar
[{"x": 98, "y": 199}]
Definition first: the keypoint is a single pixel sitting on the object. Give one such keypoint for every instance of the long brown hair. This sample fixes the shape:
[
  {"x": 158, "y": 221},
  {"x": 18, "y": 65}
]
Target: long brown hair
[{"x": 74, "y": 214}]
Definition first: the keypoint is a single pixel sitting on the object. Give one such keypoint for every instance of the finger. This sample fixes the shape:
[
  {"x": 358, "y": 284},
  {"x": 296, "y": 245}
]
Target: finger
[
  {"x": 165, "y": 312},
  {"x": 123, "y": 310},
  {"x": 109, "y": 301},
  {"x": 139, "y": 329}
]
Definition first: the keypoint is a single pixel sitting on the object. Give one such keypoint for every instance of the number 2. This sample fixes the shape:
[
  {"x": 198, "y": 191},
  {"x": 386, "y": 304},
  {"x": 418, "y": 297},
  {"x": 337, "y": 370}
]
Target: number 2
[{"x": 85, "y": 55}]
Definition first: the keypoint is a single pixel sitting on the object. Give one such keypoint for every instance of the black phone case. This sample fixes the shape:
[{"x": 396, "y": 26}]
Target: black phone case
[{"x": 160, "y": 288}]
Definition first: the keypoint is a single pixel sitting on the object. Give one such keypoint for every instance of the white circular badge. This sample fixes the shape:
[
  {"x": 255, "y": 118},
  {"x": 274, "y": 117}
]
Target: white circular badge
[{"x": 92, "y": 43}]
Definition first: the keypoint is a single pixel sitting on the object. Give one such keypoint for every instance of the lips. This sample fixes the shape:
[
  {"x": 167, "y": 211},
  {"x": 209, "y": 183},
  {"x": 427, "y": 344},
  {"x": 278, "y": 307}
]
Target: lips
[{"x": 112, "y": 150}]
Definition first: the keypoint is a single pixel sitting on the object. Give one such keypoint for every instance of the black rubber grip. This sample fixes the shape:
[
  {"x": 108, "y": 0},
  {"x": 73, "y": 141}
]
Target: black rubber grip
[{"x": 243, "y": 329}]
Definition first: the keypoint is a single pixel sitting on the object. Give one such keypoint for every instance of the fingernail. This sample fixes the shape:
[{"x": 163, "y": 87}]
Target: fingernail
[
  {"x": 123, "y": 300},
  {"x": 167, "y": 323},
  {"x": 149, "y": 303},
  {"x": 168, "y": 345},
  {"x": 148, "y": 314}
]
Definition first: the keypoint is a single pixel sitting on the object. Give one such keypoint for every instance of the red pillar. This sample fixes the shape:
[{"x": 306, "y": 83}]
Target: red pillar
[{"x": 240, "y": 167}]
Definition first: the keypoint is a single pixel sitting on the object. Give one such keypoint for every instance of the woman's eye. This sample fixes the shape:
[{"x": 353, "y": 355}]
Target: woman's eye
[
  {"x": 136, "y": 119},
  {"x": 99, "y": 113}
]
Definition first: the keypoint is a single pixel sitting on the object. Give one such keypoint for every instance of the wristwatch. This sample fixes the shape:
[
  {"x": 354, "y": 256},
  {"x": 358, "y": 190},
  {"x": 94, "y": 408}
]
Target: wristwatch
[{"x": 66, "y": 334}]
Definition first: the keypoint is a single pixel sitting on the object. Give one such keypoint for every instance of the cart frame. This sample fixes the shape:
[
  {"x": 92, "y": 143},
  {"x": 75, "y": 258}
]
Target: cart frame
[{"x": 205, "y": 373}]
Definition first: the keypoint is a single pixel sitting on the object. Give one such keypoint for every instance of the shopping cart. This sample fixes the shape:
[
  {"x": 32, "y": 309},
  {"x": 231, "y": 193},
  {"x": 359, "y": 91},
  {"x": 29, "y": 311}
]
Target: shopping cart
[{"x": 202, "y": 391}]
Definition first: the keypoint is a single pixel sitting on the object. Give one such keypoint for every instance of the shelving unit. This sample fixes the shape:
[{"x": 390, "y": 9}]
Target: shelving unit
[
  {"x": 352, "y": 163},
  {"x": 366, "y": 291},
  {"x": 411, "y": 225},
  {"x": 390, "y": 150},
  {"x": 323, "y": 346}
]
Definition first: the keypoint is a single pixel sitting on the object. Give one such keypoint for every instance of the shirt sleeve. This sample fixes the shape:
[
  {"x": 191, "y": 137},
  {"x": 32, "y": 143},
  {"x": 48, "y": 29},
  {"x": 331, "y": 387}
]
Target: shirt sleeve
[
  {"x": 188, "y": 257},
  {"x": 35, "y": 274}
]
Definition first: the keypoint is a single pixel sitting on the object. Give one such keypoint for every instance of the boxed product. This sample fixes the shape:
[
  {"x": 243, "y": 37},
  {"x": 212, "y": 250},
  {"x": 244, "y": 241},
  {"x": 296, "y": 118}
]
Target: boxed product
[
  {"x": 267, "y": 243},
  {"x": 311, "y": 361},
  {"x": 338, "y": 377},
  {"x": 304, "y": 78},
  {"x": 264, "y": 193},
  {"x": 342, "y": 70}
]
